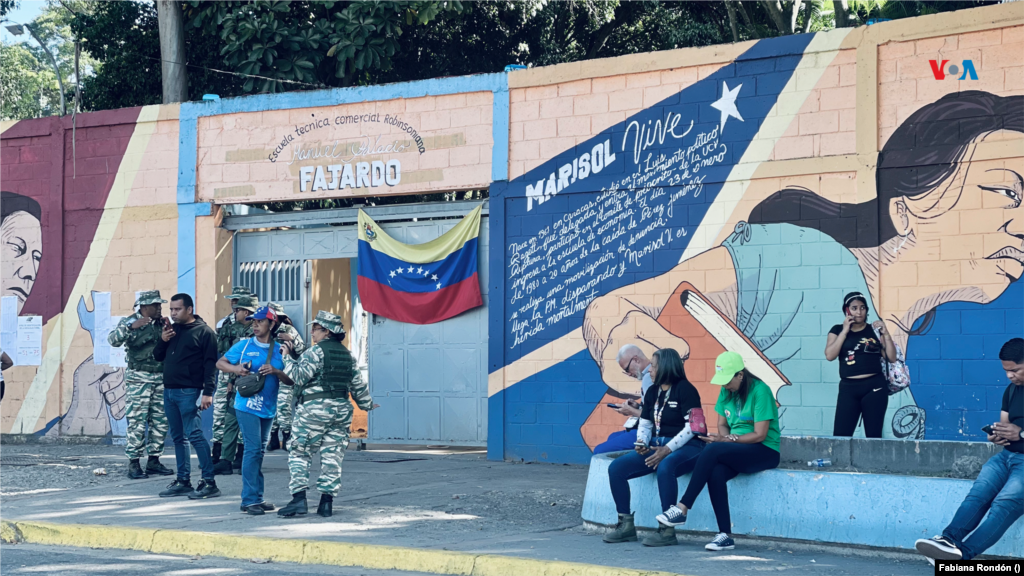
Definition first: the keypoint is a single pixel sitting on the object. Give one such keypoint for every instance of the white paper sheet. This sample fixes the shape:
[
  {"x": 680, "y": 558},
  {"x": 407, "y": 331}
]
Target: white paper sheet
[
  {"x": 101, "y": 328},
  {"x": 117, "y": 356},
  {"x": 9, "y": 326},
  {"x": 30, "y": 340}
]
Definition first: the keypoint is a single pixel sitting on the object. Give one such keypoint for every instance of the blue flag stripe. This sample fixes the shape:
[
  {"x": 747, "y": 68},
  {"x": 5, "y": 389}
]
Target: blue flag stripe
[{"x": 405, "y": 277}]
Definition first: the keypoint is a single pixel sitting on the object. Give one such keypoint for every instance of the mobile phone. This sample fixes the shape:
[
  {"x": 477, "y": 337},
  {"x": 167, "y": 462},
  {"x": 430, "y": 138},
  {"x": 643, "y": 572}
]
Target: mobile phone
[
  {"x": 639, "y": 444},
  {"x": 616, "y": 406},
  {"x": 987, "y": 430}
]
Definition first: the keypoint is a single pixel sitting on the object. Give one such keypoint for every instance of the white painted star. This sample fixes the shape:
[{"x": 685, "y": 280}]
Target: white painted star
[
  {"x": 434, "y": 277},
  {"x": 392, "y": 273},
  {"x": 419, "y": 270},
  {"x": 727, "y": 104},
  {"x": 438, "y": 285}
]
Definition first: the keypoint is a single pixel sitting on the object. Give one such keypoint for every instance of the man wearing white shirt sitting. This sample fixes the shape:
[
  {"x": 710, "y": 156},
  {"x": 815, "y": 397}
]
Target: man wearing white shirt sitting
[{"x": 635, "y": 363}]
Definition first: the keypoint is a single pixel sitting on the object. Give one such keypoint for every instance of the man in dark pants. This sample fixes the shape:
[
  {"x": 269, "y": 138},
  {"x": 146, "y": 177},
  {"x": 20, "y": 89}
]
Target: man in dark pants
[{"x": 188, "y": 350}]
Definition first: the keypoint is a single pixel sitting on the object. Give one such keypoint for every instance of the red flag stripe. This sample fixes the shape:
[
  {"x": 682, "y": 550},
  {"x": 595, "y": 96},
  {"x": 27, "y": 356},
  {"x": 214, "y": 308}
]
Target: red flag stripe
[{"x": 421, "y": 307}]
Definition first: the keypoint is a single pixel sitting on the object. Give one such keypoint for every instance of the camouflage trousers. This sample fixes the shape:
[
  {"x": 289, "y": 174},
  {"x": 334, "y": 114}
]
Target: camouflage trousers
[
  {"x": 283, "y": 419},
  {"x": 145, "y": 409},
  {"x": 225, "y": 426},
  {"x": 321, "y": 424}
]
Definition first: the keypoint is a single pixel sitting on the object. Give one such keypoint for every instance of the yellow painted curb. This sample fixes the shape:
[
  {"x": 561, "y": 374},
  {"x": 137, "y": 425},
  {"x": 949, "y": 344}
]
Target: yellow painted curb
[{"x": 368, "y": 556}]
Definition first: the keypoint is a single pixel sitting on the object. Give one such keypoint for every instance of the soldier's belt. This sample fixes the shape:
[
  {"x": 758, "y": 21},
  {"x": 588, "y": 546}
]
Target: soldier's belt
[{"x": 339, "y": 393}]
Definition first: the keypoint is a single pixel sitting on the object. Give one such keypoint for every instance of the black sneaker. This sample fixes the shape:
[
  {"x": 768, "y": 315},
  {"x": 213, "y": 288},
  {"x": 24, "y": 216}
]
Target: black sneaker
[
  {"x": 135, "y": 471},
  {"x": 206, "y": 489},
  {"x": 939, "y": 548},
  {"x": 255, "y": 510},
  {"x": 266, "y": 506},
  {"x": 177, "y": 488},
  {"x": 153, "y": 466}
]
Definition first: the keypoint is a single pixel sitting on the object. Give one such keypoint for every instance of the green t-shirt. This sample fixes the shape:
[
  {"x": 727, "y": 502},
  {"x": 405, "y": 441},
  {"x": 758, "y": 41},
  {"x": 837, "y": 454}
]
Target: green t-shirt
[{"x": 760, "y": 406}]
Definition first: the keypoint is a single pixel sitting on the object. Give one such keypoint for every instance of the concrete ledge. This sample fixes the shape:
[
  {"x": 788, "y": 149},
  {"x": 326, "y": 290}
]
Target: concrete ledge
[
  {"x": 300, "y": 551},
  {"x": 939, "y": 458},
  {"x": 877, "y": 510}
]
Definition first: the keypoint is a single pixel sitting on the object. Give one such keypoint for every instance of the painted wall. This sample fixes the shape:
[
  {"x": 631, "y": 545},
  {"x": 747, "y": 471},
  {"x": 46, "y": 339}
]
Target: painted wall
[
  {"x": 108, "y": 223},
  {"x": 728, "y": 197}
]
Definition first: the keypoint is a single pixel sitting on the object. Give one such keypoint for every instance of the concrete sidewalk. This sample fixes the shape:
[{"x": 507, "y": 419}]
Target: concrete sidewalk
[{"x": 432, "y": 501}]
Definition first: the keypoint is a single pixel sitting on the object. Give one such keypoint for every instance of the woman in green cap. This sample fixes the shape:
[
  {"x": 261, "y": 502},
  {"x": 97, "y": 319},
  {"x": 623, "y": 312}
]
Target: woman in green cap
[{"x": 747, "y": 442}]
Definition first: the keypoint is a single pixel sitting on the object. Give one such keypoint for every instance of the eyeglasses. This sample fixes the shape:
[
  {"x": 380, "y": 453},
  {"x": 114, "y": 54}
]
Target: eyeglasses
[{"x": 628, "y": 365}]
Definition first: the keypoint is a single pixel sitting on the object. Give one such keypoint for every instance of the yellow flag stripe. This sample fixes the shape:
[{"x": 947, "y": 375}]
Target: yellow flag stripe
[{"x": 425, "y": 253}]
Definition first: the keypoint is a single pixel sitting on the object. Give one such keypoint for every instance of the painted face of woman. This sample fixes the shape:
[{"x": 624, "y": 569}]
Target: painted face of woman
[{"x": 21, "y": 251}]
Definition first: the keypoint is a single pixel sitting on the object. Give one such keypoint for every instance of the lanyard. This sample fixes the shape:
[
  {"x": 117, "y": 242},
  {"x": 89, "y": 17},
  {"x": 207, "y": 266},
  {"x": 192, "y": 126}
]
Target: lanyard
[{"x": 659, "y": 407}]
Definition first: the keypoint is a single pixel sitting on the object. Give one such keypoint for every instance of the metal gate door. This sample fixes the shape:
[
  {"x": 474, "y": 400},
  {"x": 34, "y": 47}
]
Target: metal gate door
[
  {"x": 431, "y": 380},
  {"x": 262, "y": 264}
]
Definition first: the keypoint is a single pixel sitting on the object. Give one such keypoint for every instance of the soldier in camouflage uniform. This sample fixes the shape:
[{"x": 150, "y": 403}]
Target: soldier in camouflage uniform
[
  {"x": 283, "y": 420},
  {"x": 219, "y": 406},
  {"x": 225, "y": 426},
  {"x": 144, "y": 380},
  {"x": 324, "y": 377}
]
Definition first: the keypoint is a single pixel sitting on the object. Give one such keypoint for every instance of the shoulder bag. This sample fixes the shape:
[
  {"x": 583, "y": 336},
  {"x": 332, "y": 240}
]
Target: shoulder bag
[
  {"x": 897, "y": 373},
  {"x": 252, "y": 384}
]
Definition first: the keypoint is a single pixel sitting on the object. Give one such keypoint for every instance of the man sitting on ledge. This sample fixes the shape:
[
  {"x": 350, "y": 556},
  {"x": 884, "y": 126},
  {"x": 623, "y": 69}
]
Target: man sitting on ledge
[
  {"x": 999, "y": 489},
  {"x": 634, "y": 363}
]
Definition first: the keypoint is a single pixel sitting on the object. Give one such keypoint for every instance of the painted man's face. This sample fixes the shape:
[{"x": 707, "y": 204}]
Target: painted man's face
[{"x": 21, "y": 248}]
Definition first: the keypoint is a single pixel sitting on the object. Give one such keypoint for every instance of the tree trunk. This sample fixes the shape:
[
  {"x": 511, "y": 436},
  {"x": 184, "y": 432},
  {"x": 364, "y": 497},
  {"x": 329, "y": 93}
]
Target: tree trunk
[
  {"x": 808, "y": 14},
  {"x": 732, "y": 21},
  {"x": 172, "y": 51},
  {"x": 746, "y": 20},
  {"x": 775, "y": 11},
  {"x": 842, "y": 13},
  {"x": 794, "y": 12}
]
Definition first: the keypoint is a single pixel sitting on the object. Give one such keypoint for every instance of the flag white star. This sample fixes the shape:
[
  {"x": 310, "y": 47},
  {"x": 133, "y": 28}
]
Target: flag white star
[
  {"x": 434, "y": 277},
  {"x": 419, "y": 270},
  {"x": 410, "y": 269},
  {"x": 426, "y": 273},
  {"x": 392, "y": 273},
  {"x": 727, "y": 104},
  {"x": 438, "y": 285}
]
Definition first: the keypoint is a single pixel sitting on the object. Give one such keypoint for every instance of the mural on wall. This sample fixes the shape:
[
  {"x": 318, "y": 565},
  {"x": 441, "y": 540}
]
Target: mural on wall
[
  {"x": 657, "y": 232},
  {"x": 21, "y": 235}
]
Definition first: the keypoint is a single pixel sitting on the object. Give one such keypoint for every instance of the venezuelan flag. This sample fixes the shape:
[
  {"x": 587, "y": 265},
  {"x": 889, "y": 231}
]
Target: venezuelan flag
[{"x": 422, "y": 283}]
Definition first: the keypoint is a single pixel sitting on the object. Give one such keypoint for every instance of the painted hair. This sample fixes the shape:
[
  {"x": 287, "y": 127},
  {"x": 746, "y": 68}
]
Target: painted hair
[
  {"x": 11, "y": 202},
  {"x": 924, "y": 151}
]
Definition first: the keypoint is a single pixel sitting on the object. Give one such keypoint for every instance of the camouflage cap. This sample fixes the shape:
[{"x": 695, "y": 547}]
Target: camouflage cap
[
  {"x": 237, "y": 292},
  {"x": 247, "y": 303},
  {"x": 277, "y": 308},
  {"x": 330, "y": 322},
  {"x": 149, "y": 297}
]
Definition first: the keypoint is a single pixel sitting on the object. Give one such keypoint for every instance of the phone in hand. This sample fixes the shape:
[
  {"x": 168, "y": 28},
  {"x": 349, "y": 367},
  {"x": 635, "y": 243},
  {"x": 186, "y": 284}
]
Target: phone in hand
[
  {"x": 988, "y": 430},
  {"x": 640, "y": 445},
  {"x": 615, "y": 406}
]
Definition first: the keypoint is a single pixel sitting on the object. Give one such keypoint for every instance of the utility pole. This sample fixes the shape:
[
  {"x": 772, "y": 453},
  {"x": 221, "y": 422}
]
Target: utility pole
[{"x": 172, "y": 51}]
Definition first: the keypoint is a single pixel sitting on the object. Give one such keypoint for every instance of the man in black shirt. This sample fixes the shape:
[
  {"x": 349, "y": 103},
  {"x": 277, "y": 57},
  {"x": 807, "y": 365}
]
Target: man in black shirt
[
  {"x": 188, "y": 350},
  {"x": 1000, "y": 484}
]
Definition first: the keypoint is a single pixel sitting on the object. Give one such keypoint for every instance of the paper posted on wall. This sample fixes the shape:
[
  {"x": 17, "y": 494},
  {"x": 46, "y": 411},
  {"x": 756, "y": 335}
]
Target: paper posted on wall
[
  {"x": 9, "y": 326},
  {"x": 30, "y": 340},
  {"x": 118, "y": 357}
]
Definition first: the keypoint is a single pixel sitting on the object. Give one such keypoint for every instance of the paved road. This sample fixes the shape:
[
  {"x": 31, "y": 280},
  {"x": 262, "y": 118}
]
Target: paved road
[{"x": 33, "y": 560}]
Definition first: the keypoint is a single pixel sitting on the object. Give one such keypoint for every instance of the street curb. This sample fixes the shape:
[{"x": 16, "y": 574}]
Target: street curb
[{"x": 188, "y": 543}]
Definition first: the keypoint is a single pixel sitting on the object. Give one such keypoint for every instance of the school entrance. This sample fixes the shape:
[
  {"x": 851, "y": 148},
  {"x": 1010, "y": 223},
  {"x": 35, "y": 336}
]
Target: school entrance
[{"x": 430, "y": 380}]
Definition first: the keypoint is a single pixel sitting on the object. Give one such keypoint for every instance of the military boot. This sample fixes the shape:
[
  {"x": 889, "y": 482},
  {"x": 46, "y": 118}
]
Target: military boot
[
  {"x": 135, "y": 471},
  {"x": 296, "y": 506},
  {"x": 215, "y": 452},
  {"x": 285, "y": 437},
  {"x": 326, "y": 507},
  {"x": 625, "y": 530},
  {"x": 665, "y": 536},
  {"x": 274, "y": 443},
  {"x": 153, "y": 466}
]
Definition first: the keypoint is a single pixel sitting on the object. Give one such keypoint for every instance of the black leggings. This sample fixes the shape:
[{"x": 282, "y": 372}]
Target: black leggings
[
  {"x": 720, "y": 462},
  {"x": 868, "y": 397}
]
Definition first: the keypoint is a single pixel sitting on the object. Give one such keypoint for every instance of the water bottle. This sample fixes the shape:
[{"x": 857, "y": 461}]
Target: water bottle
[{"x": 820, "y": 463}]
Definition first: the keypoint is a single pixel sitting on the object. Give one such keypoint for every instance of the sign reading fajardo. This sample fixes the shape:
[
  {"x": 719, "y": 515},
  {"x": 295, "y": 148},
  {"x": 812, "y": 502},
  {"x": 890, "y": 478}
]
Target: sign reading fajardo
[{"x": 348, "y": 171}]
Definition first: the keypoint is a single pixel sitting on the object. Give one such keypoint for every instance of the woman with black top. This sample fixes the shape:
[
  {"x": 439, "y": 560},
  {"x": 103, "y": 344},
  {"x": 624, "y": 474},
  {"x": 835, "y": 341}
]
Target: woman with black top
[
  {"x": 665, "y": 446},
  {"x": 863, "y": 389}
]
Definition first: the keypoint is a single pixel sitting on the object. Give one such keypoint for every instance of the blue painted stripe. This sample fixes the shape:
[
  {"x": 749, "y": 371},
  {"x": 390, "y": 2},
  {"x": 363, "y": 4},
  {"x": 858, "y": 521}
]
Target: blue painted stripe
[
  {"x": 405, "y": 277},
  {"x": 499, "y": 135}
]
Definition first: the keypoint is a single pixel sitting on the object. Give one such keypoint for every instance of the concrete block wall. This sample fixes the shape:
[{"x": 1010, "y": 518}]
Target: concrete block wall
[{"x": 846, "y": 165}]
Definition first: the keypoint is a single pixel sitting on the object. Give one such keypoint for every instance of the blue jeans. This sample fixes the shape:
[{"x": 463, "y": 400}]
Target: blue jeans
[
  {"x": 255, "y": 435},
  {"x": 184, "y": 422},
  {"x": 999, "y": 490},
  {"x": 632, "y": 465},
  {"x": 617, "y": 441}
]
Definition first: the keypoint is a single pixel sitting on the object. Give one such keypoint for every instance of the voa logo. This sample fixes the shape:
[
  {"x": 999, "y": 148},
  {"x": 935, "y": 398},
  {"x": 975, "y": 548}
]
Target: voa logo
[{"x": 942, "y": 72}]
